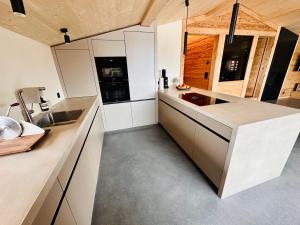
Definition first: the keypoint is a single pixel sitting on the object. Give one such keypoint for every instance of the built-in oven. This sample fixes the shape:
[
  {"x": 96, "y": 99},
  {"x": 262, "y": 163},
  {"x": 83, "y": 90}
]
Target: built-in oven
[{"x": 113, "y": 79}]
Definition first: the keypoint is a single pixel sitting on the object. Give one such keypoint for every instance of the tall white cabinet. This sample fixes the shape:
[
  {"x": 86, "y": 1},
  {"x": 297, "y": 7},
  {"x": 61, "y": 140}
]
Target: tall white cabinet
[
  {"x": 140, "y": 62},
  {"x": 77, "y": 69}
]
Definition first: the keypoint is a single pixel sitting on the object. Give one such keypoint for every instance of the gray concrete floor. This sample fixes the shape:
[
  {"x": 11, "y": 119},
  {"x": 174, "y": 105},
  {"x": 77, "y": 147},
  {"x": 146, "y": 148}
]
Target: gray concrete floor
[{"x": 146, "y": 179}]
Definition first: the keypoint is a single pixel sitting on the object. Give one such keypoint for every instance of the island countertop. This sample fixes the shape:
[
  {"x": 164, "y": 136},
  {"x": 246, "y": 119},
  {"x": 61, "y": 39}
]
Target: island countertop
[
  {"x": 26, "y": 178},
  {"x": 238, "y": 111}
]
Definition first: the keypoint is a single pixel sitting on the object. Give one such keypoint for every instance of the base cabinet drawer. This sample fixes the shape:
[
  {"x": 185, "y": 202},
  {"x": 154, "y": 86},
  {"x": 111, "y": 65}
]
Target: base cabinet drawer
[
  {"x": 118, "y": 116},
  {"x": 180, "y": 127},
  {"x": 64, "y": 216},
  {"x": 143, "y": 113},
  {"x": 66, "y": 171},
  {"x": 210, "y": 153},
  {"x": 82, "y": 188},
  {"x": 73, "y": 204},
  {"x": 47, "y": 211}
]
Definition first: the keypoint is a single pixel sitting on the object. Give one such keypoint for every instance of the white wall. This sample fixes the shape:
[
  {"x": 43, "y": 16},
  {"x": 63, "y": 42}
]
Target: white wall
[
  {"x": 25, "y": 63},
  {"x": 169, "y": 48}
]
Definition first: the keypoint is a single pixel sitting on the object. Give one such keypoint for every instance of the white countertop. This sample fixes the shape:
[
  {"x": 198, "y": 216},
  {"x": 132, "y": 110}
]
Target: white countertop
[
  {"x": 26, "y": 178},
  {"x": 238, "y": 111}
]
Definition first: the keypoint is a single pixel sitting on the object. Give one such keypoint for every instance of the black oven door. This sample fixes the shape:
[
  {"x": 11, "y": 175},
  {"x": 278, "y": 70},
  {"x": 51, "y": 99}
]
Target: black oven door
[{"x": 114, "y": 93}]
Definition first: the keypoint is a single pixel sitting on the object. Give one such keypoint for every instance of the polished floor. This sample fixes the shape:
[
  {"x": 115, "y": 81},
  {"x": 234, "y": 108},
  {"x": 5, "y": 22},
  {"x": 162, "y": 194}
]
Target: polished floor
[{"x": 146, "y": 179}]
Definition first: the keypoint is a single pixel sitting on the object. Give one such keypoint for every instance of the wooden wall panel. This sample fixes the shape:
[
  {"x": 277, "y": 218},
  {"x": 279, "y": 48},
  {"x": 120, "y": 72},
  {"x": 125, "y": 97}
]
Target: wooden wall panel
[
  {"x": 218, "y": 25},
  {"x": 230, "y": 87},
  {"x": 292, "y": 77},
  {"x": 198, "y": 60}
]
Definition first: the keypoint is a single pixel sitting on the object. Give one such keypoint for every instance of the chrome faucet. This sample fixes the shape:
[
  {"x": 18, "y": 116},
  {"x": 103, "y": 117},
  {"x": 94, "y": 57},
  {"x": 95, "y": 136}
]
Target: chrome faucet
[{"x": 25, "y": 111}]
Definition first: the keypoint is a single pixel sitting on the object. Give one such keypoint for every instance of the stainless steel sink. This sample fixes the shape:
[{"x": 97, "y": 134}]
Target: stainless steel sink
[{"x": 59, "y": 118}]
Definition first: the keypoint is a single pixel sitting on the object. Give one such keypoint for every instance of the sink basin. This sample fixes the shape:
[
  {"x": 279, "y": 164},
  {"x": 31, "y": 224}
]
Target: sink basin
[{"x": 59, "y": 118}]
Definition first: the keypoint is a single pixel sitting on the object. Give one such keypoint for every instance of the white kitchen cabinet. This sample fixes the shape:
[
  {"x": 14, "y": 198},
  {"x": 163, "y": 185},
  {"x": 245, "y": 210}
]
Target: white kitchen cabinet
[
  {"x": 140, "y": 51},
  {"x": 80, "y": 44},
  {"x": 143, "y": 113},
  {"x": 118, "y": 116},
  {"x": 77, "y": 73},
  {"x": 108, "y": 48},
  {"x": 210, "y": 153},
  {"x": 64, "y": 216},
  {"x": 81, "y": 191},
  {"x": 117, "y": 35},
  {"x": 179, "y": 126},
  {"x": 49, "y": 206}
]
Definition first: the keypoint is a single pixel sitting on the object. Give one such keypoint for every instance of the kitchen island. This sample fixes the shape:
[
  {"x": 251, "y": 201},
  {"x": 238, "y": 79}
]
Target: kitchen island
[
  {"x": 56, "y": 182},
  {"x": 237, "y": 144}
]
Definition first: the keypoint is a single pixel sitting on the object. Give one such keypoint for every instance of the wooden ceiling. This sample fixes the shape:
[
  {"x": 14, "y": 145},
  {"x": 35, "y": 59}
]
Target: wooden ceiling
[{"x": 89, "y": 17}]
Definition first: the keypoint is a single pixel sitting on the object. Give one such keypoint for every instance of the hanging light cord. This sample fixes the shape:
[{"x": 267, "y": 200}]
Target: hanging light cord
[{"x": 187, "y": 3}]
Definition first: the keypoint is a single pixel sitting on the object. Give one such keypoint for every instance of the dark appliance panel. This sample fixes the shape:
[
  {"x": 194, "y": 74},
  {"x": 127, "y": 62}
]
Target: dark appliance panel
[
  {"x": 200, "y": 100},
  {"x": 111, "y": 68},
  {"x": 113, "y": 79},
  {"x": 235, "y": 58},
  {"x": 282, "y": 56}
]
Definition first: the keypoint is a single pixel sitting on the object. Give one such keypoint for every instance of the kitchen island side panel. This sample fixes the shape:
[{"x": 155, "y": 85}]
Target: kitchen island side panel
[{"x": 258, "y": 153}]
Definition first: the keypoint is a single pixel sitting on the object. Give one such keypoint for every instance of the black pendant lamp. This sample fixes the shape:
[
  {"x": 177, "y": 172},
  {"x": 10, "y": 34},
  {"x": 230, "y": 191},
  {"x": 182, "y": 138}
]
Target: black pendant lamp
[
  {"x": 234, "y": 17},
  {"x": 66, "y": 36},
  {"x": 18, "y": 7},
  {"x": 186, "y": 34}
]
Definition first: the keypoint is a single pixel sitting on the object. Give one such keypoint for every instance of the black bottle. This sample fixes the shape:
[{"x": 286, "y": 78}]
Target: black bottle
[{"x": 166, "y": 79}]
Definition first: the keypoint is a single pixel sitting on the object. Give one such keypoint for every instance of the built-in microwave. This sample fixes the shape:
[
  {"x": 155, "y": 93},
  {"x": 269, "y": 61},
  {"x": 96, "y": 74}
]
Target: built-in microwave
[{"x": 113, "y": 79}]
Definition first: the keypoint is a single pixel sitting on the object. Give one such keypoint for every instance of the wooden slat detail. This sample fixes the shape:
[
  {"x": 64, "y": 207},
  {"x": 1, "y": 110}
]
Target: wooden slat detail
[
  {"x": 292, "y": 76},
  {"x": 261, "y": 58},
  {"x": 245, "y": 22}
]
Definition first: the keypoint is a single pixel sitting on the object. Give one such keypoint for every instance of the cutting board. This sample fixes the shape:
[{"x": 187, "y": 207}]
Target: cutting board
[
  {"x": 20, "y": 144},
  {"x": 30, "y": 136}
]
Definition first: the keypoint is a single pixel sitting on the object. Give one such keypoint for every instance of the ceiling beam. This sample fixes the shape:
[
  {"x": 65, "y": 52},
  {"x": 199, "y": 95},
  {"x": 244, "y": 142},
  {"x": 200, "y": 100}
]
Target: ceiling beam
[{"x": 153, "y": 11}]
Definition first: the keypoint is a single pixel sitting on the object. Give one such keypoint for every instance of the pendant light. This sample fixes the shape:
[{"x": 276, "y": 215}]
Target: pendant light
[
  {"x": 234, "y": 17},
  {"x": 18, "y": 7},
  {"x": 186, "y": 34},
  {"x": 66, "y": 36}
]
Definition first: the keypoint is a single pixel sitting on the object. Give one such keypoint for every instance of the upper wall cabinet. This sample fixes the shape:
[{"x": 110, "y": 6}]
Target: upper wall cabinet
[
  {"x": 140, "y": 49},
  {"x": 80, "y": 44},
  {"x": 117, "y": 35},
  {"x": 77, "y": 73},
  {"x": 108, "y": 48}
]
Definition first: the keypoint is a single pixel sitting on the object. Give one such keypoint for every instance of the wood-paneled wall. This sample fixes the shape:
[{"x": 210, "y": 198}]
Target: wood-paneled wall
[
  {"x": 218, "y": 26},
  {"x": 198, "y": 61},
  {"x": 292, "y": 77},
  {"x": 230, "y": 87}
]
